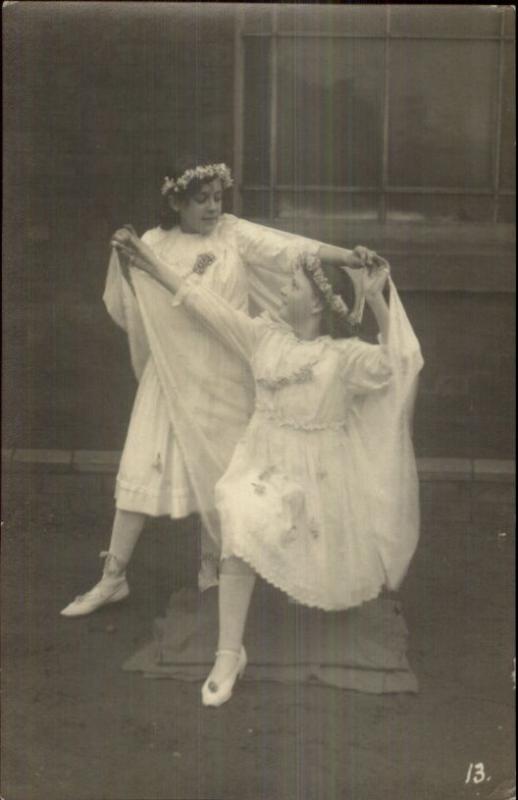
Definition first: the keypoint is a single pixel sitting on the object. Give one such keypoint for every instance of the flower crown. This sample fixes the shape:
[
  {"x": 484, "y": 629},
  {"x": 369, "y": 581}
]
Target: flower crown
[
  {"x": 211, "y": 171},
  {"x": 313, "y": 267}
]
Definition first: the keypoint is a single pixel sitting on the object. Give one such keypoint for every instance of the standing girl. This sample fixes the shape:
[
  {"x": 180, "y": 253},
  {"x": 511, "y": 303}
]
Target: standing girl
[{"x": 193, "y": 400}]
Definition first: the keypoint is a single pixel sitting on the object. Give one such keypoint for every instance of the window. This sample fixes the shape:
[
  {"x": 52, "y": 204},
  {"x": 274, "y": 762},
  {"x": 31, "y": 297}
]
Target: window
[{"x": 376, "y": 113}]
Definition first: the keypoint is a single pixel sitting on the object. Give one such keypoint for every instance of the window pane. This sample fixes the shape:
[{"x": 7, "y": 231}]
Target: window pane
[
  {"x": 256, "y": 205},
  {"x": 439, "y": 208},
  {"x": 509, "y": 21},
  {"x": 256, "y": 134},
  {"x": 442, "y": 112},
  {"x": 507, "y": 209},
  {"x": 330, "y": 112},
  {"x": 508, "y": 149},
  {"x": 327, "y": 204},
  {"x": 328, "y": 19},
  {"x": 257, "y": 18},
  {"x": 425, "y": 20}
]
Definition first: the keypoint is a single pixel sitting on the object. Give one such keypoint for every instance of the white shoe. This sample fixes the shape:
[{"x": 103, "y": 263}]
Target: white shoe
[
  {"x": 208, "y": 574},
  {"x": 108, "y": 590},
  {"x": 215, "y": 694}
]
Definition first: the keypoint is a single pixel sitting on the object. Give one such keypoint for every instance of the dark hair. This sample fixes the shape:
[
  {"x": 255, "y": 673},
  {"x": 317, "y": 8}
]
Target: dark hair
[
  {"x": 168, "y": 216},
  {"x": 332, "y": 324}
]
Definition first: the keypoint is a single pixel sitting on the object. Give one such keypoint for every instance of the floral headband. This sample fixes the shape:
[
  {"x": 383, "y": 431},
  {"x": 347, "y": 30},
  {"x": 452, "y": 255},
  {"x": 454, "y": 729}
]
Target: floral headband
[
  {"x": 312, "y": 265},
  {"x": 211, "y": 171}
]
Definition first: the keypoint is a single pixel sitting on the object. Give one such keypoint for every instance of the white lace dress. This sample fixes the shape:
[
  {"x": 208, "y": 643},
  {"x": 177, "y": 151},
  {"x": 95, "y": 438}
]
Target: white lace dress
[{"x": 295, "y": 501}]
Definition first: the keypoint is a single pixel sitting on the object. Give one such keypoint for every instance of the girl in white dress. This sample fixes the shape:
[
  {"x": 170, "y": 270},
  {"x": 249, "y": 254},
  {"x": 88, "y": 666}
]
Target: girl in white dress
[
  {"x": 320, "y": 496},
  {"x": 160, "y": 471}
]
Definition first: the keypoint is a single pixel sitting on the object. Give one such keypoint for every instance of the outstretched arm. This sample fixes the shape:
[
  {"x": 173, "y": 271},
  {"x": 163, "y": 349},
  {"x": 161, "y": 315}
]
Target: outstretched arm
[
  {"x": 277, "y": 250},
  {"x": 354, "y": 259}
]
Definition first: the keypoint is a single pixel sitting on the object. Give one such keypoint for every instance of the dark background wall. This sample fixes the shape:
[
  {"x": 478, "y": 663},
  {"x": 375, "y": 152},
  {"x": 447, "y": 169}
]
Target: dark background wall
[{"x": 97, "y": 98}]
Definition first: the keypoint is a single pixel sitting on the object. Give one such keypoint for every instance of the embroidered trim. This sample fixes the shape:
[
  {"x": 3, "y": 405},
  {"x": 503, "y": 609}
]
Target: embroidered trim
[
  {"x": 299, "y": 425},
  {"x": 301, "y": 375},
  {"x": 277, "y": 577},
  {"x": 203, "y": 262}
]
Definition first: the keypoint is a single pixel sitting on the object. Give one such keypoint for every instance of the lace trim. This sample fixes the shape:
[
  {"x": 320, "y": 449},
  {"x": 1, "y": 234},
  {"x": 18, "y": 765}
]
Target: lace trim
[
  {"x": 303, "y": 374},
  {"x": 277, "y": 577},
  {"x": 299, "y": 425}
]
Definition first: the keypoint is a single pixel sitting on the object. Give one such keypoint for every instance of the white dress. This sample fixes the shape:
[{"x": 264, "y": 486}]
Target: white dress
[
  {"x": 298, "y": 500},
  {"x": 153, "y": 477}
]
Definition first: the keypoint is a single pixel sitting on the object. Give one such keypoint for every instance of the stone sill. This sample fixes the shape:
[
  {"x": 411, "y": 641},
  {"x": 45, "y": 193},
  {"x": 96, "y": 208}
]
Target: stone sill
[{"x": 107, "y": 462}]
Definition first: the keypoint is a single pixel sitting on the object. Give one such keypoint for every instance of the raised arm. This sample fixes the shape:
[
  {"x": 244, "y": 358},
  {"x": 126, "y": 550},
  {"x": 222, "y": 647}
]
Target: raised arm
[
  {"x": 277, "y": 250},
  {"x": 354, "y": 259},
  {"x": 373, "y": 284},
  {"x": 136, "y": 253},
  {"x": 366, "y": 367}
]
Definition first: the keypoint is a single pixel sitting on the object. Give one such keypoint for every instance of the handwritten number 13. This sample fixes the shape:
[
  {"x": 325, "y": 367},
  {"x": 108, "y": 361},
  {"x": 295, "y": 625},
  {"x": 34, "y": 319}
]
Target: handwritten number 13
[{"x": 476, "y": 773}]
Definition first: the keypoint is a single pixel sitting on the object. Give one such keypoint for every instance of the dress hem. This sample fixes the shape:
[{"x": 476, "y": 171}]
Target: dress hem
[
  {"x": 142, "y": 501},
  {"x": 302, "y": 597}
]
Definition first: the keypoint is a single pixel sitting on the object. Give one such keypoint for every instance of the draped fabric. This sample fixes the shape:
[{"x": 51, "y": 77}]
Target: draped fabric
[
  {"x": 382, "y": 426},
  {"x": 266, "y": 271},
  {"x": 210, "y": 407},
  {"x": 123, "y": 307},
  {"x": 208, "y": 391}
]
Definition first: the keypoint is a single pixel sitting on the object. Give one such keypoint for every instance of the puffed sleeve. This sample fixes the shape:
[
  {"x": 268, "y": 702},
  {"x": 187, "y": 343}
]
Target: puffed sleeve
[
  {"x": 271, "y": 249},
  {"x": 268, "y": 255},
  {"x": 152, "y": 236},
  {"x": 235, "y": 328},
  {"x": 365, "y": 367}
]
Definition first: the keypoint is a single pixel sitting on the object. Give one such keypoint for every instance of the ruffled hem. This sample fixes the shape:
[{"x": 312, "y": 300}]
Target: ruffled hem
[{"x": 277, "y": 578}]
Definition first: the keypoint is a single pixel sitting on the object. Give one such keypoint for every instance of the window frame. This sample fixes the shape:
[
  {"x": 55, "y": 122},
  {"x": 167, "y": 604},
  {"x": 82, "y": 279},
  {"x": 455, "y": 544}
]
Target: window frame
[{"x": 275, "y": 35}]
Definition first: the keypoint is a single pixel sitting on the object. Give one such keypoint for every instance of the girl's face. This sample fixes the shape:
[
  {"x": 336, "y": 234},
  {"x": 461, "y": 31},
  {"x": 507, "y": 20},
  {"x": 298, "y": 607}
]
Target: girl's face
[
  {"x": 199, "y": 213},
  {"x": 299, "y": 299}
]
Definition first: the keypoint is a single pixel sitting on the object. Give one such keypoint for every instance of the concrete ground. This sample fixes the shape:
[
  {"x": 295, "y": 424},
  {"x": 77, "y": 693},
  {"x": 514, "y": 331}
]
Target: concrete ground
[{"x": 76, "y": 727}]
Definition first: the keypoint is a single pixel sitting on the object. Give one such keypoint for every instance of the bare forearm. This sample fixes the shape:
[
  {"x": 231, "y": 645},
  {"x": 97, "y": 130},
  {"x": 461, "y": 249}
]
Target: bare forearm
[
  {"x": 338, "y": 256},
  {"x": 380, "y": 310}
]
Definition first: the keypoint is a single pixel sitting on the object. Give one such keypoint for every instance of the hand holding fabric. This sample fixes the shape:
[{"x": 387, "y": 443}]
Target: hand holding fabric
[
  {"x": 374, "y": 280},
  {"x": 368, "y": 258},
  {"x": 132, "y": 248}
]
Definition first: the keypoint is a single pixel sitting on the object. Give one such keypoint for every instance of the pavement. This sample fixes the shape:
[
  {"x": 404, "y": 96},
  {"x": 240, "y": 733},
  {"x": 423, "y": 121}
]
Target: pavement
[{"x": 76, "y": 727}]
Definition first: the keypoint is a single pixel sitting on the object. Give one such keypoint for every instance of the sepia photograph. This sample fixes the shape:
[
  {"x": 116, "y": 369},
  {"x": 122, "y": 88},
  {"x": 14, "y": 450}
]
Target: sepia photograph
[{"x": 258, "y": 418}]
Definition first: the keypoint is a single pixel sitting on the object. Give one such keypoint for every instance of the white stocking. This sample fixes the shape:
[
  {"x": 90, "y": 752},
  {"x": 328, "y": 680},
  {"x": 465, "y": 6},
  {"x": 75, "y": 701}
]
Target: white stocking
[
  {"x": 127, "y": 527},
  {"x": 236, "y": 584}
]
